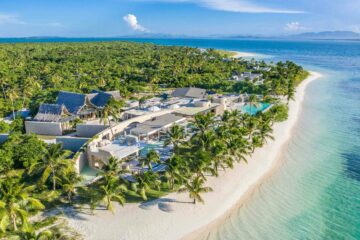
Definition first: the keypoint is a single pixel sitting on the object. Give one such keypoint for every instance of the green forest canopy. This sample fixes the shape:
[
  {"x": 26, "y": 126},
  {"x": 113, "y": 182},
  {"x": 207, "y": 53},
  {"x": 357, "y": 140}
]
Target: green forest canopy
[{"x": 32, "y": 73}]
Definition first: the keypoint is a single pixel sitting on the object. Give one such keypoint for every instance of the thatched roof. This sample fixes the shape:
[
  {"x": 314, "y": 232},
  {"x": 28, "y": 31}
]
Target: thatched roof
[
  {"x": 74, "y": 102},
  {"x": 51, "y": 113}
]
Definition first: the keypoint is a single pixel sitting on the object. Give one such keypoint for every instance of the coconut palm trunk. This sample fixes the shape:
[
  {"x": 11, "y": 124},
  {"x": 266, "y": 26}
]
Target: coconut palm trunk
[
  {"x": 13, "y": 108},
  {"x": 13, "y": 220},
  {"x": 53, "y": 178},
  {"x": 111, "y": 127}
]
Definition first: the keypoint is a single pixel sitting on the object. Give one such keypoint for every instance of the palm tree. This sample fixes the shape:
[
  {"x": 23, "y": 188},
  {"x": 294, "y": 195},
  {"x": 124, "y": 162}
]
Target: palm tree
[
  {"x": 111, "y": 191},
  {"x": 69, "y": 182},
  {"x": 173, "y": 170},
  {"x": 3, "y": 83},
  {"x": 13, "y": 95},
  {"x": 15, "y": 202},
  {"x": 195, "y": 187},
  {"x": 265, "y": 131},
  {"x": 111, "y": 110},
  {"x": 146, "y": 181},
  {"x": 31, "y": 85},
  {"x": 251, "y": 125},
  {"x": 290, "y": 91},
  {"x": 256, "y": 142},
  {"x": 52, "y": 164},
  {"x": 200, "y": 163},
  {"x": 253, "y": 101},
  {"x": 237, "y": 148},
  {"x": 175, "y": 136},
  {"x": 33, "y": 235},
  {"x": 203, "y": 121},
  {"x": 151, "y": 157},
  {"x": 234, "y": 118},
  {"x": 113, "y": 168}
]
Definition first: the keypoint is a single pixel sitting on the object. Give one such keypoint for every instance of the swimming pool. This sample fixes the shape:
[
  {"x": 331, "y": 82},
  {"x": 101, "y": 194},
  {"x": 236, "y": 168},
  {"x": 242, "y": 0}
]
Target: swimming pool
[
  {"x": 88, "y": 174},
  {"x": 255, "y": 109},
  {"x": 147, "y": 147}
]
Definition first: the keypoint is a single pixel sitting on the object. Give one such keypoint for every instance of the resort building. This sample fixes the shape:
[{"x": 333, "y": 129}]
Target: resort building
[
  {"x": 131, "y": 139},
  {"x": 123, "y": 149},
  {"x": 132, "y": 113},
  {"x": 57, "y": 119},
  {"x": 201, "y": 107},
  {"x": 247, "y": 76},
  {"x": 260, "y": 68},
  {"x": 155, "y": 127},
  {"x": 145, "y": 126},
  {"x": 189, "y": 93}
]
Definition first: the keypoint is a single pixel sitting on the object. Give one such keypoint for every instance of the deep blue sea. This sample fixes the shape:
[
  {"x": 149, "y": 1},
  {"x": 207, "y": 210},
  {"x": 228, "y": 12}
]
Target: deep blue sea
[{"x": 316, "y": 193}]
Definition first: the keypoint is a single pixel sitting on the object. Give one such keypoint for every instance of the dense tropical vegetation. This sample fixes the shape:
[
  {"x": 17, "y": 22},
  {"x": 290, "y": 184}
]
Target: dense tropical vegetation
[
  {"x": 32, "y": 73},
  {"x": 37, "y": 177}
]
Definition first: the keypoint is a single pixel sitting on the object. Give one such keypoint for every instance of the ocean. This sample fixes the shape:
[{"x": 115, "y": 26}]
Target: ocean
[{"x": 315, "y": 194}]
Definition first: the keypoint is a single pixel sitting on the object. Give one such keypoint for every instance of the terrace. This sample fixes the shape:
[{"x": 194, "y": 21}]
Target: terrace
[{"x": 155, "y": 127}]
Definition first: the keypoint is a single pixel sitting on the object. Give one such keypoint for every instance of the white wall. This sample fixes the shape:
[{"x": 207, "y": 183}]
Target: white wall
[
  {"x": 88, "y": 131},
  {"x": 71, "y": 143},
  {"x": 80, "y": 162},
  {"x": 43, "y": 128}
]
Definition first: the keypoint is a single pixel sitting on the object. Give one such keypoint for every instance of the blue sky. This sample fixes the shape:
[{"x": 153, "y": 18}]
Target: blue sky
[{"x": 107, "y": 18}]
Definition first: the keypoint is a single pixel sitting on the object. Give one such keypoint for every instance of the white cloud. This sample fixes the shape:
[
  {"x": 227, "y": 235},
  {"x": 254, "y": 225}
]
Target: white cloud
[
  {"x": 132, "y": 21},
  {"x": 10, "y": 19},
  {"x": 244, "y": 6},
  {"x": 14, "y": 19},
  {"x": 355, "y": 28},
  {"x": 294, "y": 27}
]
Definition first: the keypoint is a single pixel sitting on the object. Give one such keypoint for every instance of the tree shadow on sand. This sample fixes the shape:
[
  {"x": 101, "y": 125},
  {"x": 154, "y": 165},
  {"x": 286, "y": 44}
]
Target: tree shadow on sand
[{"x": 164, "y": 204}]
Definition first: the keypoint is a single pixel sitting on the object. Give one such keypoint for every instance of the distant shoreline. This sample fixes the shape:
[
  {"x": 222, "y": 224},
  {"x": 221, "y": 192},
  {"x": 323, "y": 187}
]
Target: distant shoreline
[
  {"x": 173, "y": 216},
  {"x": 14, "y": 40}
]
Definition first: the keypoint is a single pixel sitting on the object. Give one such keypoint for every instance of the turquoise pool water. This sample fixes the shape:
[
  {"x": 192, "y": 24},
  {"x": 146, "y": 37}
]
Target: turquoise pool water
[
  {"x": 147, "y": 147},
  {"x": 88, "y": 174},
  {"x": 255, "y": 109}
]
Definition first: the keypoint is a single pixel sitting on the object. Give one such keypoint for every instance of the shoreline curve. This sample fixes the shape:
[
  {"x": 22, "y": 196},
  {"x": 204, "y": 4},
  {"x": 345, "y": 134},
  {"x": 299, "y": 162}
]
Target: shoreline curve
[
  {"x": 295, "y": 108},
  {"x": 173, "y": 216}
]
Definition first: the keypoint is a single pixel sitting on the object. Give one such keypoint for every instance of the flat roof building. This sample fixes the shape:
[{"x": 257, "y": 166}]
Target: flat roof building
[
  {"x": 189, "y": 92},
  {"x": 155, "y": 125}
]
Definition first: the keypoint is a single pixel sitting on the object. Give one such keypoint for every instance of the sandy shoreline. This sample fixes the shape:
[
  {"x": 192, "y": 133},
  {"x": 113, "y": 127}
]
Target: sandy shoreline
[
  {"x": 286, "y": 131},
  {"x": 244, "y": 54},
  {"x": 174, "y": 217}
]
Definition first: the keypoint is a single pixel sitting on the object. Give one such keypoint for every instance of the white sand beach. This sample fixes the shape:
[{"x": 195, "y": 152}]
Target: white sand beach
[
  {"x": 244, "y": 54},
  {"x": 174, "y": 216}
]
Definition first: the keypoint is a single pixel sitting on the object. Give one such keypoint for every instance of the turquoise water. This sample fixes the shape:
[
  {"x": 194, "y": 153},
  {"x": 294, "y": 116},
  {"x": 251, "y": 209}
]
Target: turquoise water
[
  {"x": 88, "y": 174},
  {"x": 316, "y": 193},
  {"x": 252, "y": 110},
  {"x": 147, "y": 147}
]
